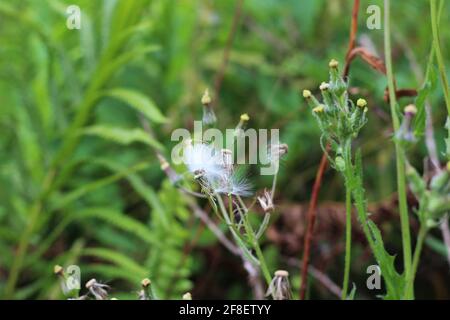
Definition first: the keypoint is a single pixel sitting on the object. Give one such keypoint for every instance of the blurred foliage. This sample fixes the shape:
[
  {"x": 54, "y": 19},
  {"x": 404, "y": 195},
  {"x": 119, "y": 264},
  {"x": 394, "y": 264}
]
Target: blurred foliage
[{"x": 79, "y": 181}]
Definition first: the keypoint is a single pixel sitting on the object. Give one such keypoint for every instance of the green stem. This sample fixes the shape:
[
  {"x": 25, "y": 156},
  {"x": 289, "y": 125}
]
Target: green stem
[
  {"x": 400, "y": 161},
  {"x": 438, "y": 51},
  {"x": 348, "y": 241},
  {"x": 348, "y": 219},
  {"x": 253, "y": 239},
  {"x": 230, "y": 208},
  {"x": 25, "y": 237},
  {"x": 420, "y": 240},
  {"x": 250, "y": 234}
]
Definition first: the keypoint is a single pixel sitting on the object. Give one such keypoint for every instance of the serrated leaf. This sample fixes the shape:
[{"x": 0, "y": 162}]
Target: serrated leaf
[
  {"x": 395, "y": 282},
  {"x": 122, "y": 135},
  {"x": 139, "y": 102}
]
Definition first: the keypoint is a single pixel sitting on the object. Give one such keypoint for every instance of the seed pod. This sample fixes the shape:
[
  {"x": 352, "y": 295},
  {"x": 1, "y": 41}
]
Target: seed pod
[{"x": 280, "y": 288}]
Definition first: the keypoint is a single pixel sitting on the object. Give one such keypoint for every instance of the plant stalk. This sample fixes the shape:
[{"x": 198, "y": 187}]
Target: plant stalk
[
  {"x": 348, "y": 218},
  {"x": 400, "y": 161}
]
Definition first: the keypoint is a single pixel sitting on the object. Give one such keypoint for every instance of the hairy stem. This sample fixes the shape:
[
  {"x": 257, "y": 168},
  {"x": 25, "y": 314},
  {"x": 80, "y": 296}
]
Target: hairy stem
[
  {"x": 254, "y": 241},
  {"x": 348, "y": 219}
]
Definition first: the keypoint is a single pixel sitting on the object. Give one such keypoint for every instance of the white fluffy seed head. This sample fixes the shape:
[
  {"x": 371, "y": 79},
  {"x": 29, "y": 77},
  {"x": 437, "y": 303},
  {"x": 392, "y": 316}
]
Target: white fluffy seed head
[
  {"x": 233, "y": 184},
  {"x": 201, "y": 157}
]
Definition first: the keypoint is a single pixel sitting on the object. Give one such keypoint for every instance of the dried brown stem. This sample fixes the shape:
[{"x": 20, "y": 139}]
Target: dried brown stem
[
  {"x": 311, "y": 219},
  {"x": 353, "y": 30}
]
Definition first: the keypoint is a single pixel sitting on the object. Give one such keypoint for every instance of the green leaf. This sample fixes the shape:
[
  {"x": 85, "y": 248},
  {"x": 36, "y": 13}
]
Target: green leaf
[
  {"x": 138, "y": 101},
  {"x": 96, "y": 184},
  {"x": 122, "y": 135},
  {"x": 117, "y": 258},
  {"x": 351, "y": 295},
  {"x": 428, "y": 87},
  {"x": 395, "y": 282},
  {"x": 110, "y": 272},
  {"x": 139, "y": 185},
  {"x": 120, "y": 221}
]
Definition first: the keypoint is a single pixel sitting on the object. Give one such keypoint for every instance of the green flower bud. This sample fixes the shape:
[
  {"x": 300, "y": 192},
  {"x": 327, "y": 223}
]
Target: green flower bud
[
  {"x": 440, "y": 181},
  {"x": 340, "y": 163},
  {"x": 416, "y": 183}
]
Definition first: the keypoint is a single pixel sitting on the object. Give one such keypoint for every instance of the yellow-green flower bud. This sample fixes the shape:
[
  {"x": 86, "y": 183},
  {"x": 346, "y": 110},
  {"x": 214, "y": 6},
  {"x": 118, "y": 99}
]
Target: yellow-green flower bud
[
  {"x": 245, "y": 117},
  {"x": 361, "y": 102},
  {"x": 340, "y": 163},
  {"x": 333, "y": 63},
  {"x": 306, "y": 94},
  {"x": 319, "y": 109},
  {"x": 58, "y": 270},
  {"x": 324, "y": 86},
  {"x": 187, "y": 296},
  {"x": 410, "y": 109},
  {"x": 206, "y": 99},
  {"x": 145, "y": 282}
]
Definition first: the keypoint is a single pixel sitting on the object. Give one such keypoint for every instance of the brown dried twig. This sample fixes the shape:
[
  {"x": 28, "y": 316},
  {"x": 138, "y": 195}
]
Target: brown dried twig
[
  {"x": 311, "y": 219},
  {"x": 226, "y": 52}
]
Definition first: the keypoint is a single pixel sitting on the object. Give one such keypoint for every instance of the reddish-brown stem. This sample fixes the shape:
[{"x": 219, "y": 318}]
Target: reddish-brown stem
[
  {"x": 311, "y": 219},
  {"x": 353, "y": 29}
]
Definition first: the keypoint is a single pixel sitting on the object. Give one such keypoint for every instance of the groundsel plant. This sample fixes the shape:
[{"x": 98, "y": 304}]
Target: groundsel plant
[
  {"x": 224, "y": 183},
  {"x": 340, "y": 121}
]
